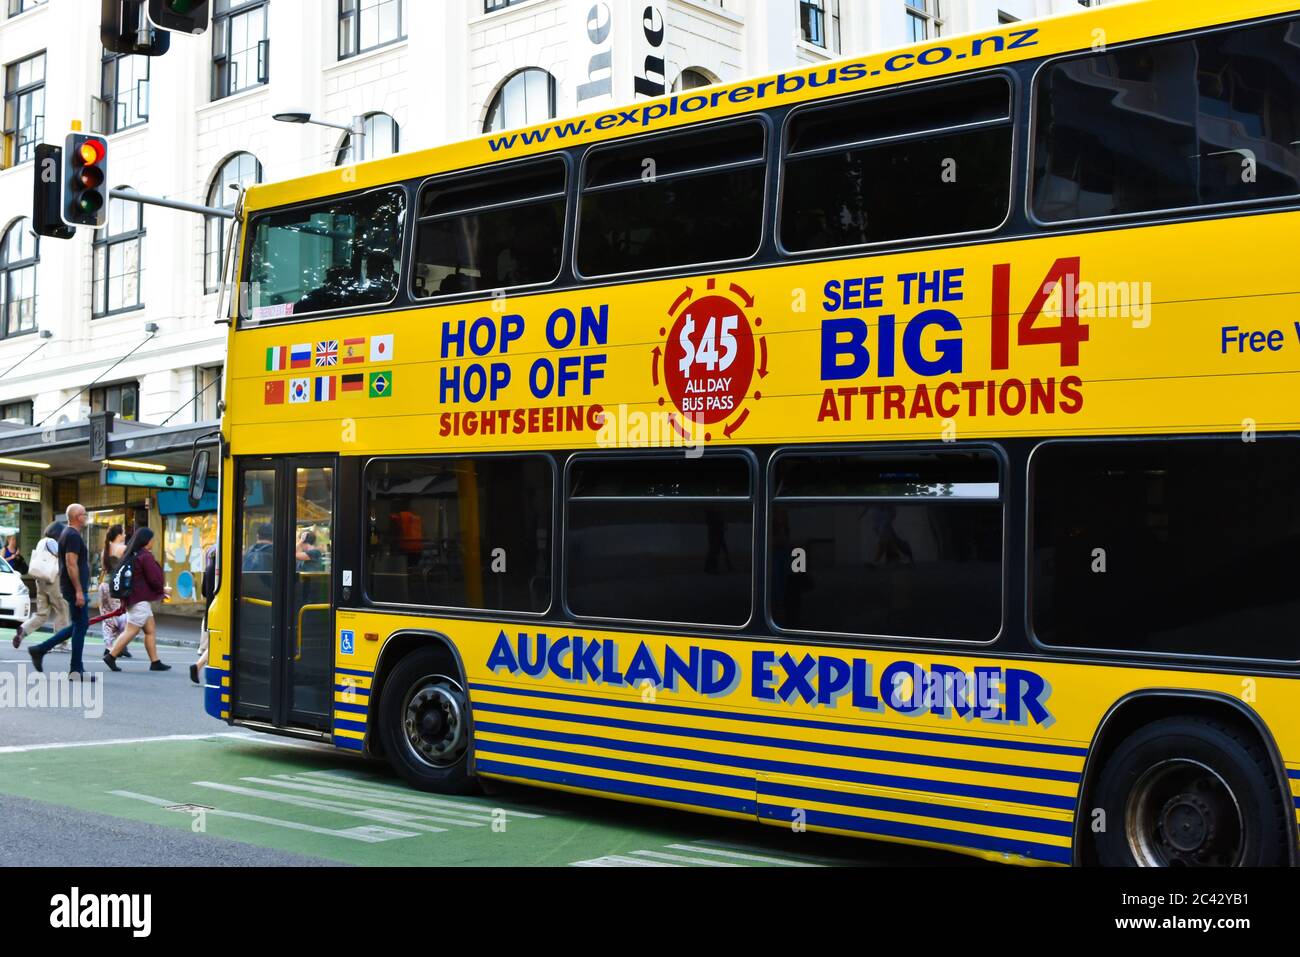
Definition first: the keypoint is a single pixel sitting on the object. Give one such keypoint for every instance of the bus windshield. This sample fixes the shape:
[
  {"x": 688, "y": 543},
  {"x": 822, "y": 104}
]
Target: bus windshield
[{"x": 336, "y": 255}]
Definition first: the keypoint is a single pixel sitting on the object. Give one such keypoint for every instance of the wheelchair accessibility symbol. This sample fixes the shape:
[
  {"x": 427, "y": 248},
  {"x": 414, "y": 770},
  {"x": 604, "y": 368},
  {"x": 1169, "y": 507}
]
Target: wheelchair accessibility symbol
[{"x": 347, "y": 642}]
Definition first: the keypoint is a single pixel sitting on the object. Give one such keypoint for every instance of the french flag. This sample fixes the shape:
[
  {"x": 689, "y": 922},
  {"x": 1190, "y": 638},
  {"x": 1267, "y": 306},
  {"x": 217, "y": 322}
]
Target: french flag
[
  {"x": 300, "y": 356},
  {"x": 326, "y": 388}
]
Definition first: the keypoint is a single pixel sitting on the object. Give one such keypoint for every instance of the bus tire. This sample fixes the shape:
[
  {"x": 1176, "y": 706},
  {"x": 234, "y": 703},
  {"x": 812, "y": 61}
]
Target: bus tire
[
  {"x": 425, "y": 724},
  {"x": 1190, "y": 791}
]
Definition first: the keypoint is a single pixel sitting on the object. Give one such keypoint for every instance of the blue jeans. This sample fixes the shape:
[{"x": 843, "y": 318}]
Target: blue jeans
[{"x": 80, "y": 622}]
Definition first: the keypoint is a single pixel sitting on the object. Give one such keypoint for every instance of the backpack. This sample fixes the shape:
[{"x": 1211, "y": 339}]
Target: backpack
[
  {"x": 120, "y": 586},
  {"x": 44, "y": 567}
]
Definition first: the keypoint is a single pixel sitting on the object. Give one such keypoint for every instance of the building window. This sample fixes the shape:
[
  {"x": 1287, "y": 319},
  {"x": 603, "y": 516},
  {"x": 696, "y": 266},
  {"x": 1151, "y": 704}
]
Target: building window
[
  {"x": 492, "y": 5},
  {"x": 924, "y": 19},
  {"x": 692, "y": 79},
  {"x": 819, "y": 23},
  {"x": 19, "y": 254},
  {"x": 207, "y": 393},
  {"x": 122, "y": 398},
  {"x": 19, "y": 412},
  {"x": 119, "y": 260},
  {"x": 24, "y": 109},
  {"x": 383, "y": 138},
  {"x": 525, "y": 98},
  {"x": 242, "y": 170},
  {"x": 124, "y": 96},
  {"x": 240, "y": 46},
  {"x": 22, "y": 6},
  {"x": 368, "y": 24}
]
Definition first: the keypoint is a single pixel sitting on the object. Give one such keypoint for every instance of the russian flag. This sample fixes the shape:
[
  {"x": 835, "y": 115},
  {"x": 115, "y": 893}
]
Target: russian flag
[
  {"x": 300, "y": 356},
  {"x": 326, "y": 388}
]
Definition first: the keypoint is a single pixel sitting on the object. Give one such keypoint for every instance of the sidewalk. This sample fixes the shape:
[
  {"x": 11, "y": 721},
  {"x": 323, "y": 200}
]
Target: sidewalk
[{"x": 173, "y": 632}]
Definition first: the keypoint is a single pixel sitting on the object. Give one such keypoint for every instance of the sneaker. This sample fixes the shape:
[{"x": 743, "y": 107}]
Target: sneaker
[
  {"x": 125, "y": 653},
  {"x": 159, "y": 666},
  {"x": 110, "y": 661},
  {"x": 37, "y": 657},
  {"x": 194, "y": 673},
  {"x": 81, "y": 676}
]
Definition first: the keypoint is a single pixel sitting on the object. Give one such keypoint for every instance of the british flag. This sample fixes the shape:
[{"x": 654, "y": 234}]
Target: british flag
[{"x": 327, "y": 353}]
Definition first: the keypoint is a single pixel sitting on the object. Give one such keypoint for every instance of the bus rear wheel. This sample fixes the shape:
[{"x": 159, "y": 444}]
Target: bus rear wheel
[
  {"x": 1190, "y": 792},
  {"x": 424, "y": 722}
]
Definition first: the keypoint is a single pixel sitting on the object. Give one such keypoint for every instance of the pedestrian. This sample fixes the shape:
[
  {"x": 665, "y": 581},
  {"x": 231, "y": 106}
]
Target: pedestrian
[
  {"x": 209, "y": 593},
  {"x": 111, "y": 612},
  {"x": 74, "y": 576},
  {"x": 147, "y": 585},
  {"x": 13, "y": 554},
  {"x": 114, "y": 549},
  {"x": 44, "y": 570}
]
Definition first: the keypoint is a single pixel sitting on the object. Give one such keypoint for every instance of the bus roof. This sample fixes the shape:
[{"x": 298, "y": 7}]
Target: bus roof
[{"x": 955, "y": 55}]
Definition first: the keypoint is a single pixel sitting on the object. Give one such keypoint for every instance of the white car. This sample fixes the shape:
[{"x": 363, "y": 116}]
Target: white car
[{"x": 15, "y": 603}]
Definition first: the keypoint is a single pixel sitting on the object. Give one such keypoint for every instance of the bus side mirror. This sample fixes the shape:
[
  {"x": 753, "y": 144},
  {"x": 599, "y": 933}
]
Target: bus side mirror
[{"x": 198, "y": 477}]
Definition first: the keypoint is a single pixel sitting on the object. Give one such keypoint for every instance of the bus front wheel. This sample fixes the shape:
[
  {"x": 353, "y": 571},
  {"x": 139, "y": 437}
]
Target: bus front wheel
[
  {"x": 424, "y": 722},
  {"x": 1190, "y": 792}
]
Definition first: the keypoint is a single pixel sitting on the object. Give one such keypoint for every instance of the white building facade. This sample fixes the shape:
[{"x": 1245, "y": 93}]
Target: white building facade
[{"x": 188, "y": 124}]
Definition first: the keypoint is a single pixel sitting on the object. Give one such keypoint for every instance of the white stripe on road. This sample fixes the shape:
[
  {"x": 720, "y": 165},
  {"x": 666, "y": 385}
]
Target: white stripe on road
[
  {"x": 461, "y": 818},
  {"x": 683, "y": 859},
  {"x": 412, "y": 802},
  {"x": 618, "y": 860},
  {"x": 759, "y": 858},
  {"x": 402, "y": 818},
  {"x": 24, "y": 748},
  {"x": 366, "y": 835},
  {"x": 367, "y": 787}
]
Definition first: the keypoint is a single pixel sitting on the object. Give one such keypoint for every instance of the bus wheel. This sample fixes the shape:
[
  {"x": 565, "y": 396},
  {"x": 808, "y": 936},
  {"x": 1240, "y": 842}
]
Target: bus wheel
[
  {"x": 424, "y": 721},
  {"x": 1190, "y": 792}
]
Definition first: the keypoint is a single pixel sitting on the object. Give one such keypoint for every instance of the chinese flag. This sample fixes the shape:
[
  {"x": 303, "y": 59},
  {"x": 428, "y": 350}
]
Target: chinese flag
[{"x": 275, "y": 392}]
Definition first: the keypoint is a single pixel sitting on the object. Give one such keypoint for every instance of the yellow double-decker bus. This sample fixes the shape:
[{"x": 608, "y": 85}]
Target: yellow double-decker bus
[{"x": 905, "y": 447}]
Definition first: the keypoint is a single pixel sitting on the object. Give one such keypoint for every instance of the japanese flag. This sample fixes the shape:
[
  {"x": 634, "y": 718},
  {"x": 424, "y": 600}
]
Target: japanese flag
[{"x": 381, "y": 348}]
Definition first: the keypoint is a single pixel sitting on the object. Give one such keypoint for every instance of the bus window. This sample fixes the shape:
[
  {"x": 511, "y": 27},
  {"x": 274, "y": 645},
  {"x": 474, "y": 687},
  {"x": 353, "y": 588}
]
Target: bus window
[
  {"x": 905, "y": 544},
  {"x": 679, "y": 199},
  {"x": 492, "y": 229},
  {"x": 929, "y": 162},
  {"x": 667, "y": 540},
  {"x": 1214, "y": 119},
  {"x": 1168, "y": 546},
  {"x": 342, "y": 254},
  {"x": 460, "y": 533}
]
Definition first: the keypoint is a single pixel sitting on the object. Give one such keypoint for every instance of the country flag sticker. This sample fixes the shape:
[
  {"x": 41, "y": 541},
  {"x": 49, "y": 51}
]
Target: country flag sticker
[
  {"x": 326, "y": 388},
  {"x": 354, "y": 351},
  {"x": 381, "y": 348},
  {"x": 277, "y": 359},
  {"x": 354, "y": 383},
  {"x": 327, "y": 353},
  {"x": 299, "y": 391},
  {"x": 381, "y": 385},
  {"x": 300, "y": 356},
  {"x": 275, "y": 392}
]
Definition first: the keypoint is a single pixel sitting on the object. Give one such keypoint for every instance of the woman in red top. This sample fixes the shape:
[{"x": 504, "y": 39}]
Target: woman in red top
[{"x": 147, "y": 585}]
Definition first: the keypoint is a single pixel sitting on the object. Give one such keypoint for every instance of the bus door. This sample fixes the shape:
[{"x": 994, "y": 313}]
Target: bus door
[{"x": 283, "y": 649}]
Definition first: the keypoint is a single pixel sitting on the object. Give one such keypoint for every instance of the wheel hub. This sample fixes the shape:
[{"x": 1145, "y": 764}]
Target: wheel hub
[
  {"x": 1187, "y": 822},
  {"x": 1182, "y": 813},
  {"x": 434, "y": 723}
]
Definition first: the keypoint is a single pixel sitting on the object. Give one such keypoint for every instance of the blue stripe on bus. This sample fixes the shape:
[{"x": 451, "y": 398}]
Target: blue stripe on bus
[
  {"x": 1293, "y": 772},
  {"x": 349, "y": 725},
  {"x": 924, "y": 760},
  {"x": 351, "y": 744},
  {"x": 349, "y": 671},
  {"x": 629, "y": 788},
  {"x": 786, "y": 767},
  {"x": 983, "y": 742},
  {"x": 352, "y": 708},
  {"x": 717, "y": 779},
  {"x": 349, "y": 689},
  {"x": 920, "y": 832}
]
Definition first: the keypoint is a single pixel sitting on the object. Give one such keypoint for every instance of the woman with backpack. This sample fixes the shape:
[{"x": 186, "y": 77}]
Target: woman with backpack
[
  {"x": 147, "y": 585},
  {"x": 44, "y": 571}
]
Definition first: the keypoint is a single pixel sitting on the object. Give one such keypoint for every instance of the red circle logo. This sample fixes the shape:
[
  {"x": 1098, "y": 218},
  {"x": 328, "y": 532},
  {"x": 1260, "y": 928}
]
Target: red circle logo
[{"x": 709, "y": 359}]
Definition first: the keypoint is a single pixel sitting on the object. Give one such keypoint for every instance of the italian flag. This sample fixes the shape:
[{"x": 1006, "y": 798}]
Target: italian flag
[{"x": 277, "y": 359}]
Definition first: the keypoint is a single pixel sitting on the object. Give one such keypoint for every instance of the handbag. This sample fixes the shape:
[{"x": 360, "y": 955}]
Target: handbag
[{"x": 44, "y": 567}]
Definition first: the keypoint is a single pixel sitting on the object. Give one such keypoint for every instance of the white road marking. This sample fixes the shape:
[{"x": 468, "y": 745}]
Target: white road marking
[
  {"x": 366, "y": 834},
  {"x": 757, "y": 858},
  {"x": 344, "y": 779},
  {"x": 618, "y": 860},
  {"x": 24, "y": 748},
  {"x": 384, "y": 816},
  {"x": 683, "y": 859},
  {"x": 412, "y": 801},
  {"x": 462, "y": 819}
]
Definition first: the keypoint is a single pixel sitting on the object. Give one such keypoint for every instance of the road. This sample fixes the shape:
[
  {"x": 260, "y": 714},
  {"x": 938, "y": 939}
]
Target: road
[{"x": 137, "y": 774}]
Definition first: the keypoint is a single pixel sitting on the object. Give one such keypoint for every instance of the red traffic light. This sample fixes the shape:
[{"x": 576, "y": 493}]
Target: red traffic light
[{"x": 92, "y": 152}]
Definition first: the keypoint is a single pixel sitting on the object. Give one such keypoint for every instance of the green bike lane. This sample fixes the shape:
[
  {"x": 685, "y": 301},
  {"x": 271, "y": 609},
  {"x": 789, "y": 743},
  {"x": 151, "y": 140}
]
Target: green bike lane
[{"x": 313, "y": 801}]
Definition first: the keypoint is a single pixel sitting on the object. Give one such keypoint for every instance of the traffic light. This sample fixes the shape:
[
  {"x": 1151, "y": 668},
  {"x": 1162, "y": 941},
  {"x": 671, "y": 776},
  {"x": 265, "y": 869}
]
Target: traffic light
[
  {"x": 85, "y": 180},
  {"x": 183, "y": 16},
  {"x": 47, "y": 196},
  {"x": 123, "y": 28}
]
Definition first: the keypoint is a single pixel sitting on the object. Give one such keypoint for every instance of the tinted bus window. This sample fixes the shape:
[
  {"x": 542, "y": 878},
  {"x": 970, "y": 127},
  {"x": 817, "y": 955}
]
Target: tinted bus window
[
  {"x": 900, "y": 544},
  {"x": 1188, "y": 547},
  {"x": 1215, "y": 119},
  {"x": 460, "y": 533},
  {"x": 493, "y": 229},
  {"x": 673, "y": 200},
  {"x": 666, "y": 540},
  {"x": 343, "y": 254},
  {"x": 929, "y": 162}
]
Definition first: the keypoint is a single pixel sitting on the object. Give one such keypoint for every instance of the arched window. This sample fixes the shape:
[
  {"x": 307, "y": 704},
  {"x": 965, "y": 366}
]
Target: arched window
[
  {"x": 119, "y": 260},
  {"x": 241, "y": 169},
  {"x": 19, "y": 253},
  {"x": 691, "y": 79},
  {"x": 383, "y": 138},
  {"x": 527, "y": 97}
]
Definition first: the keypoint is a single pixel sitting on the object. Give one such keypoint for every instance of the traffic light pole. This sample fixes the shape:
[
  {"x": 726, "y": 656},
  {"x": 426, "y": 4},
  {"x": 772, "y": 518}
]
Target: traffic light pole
[{"x": 131, "y": 196}]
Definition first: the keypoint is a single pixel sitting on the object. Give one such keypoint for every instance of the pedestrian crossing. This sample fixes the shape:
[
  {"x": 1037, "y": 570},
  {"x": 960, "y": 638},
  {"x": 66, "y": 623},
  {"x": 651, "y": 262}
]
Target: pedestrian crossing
[{"x": 703, "y": 854}]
